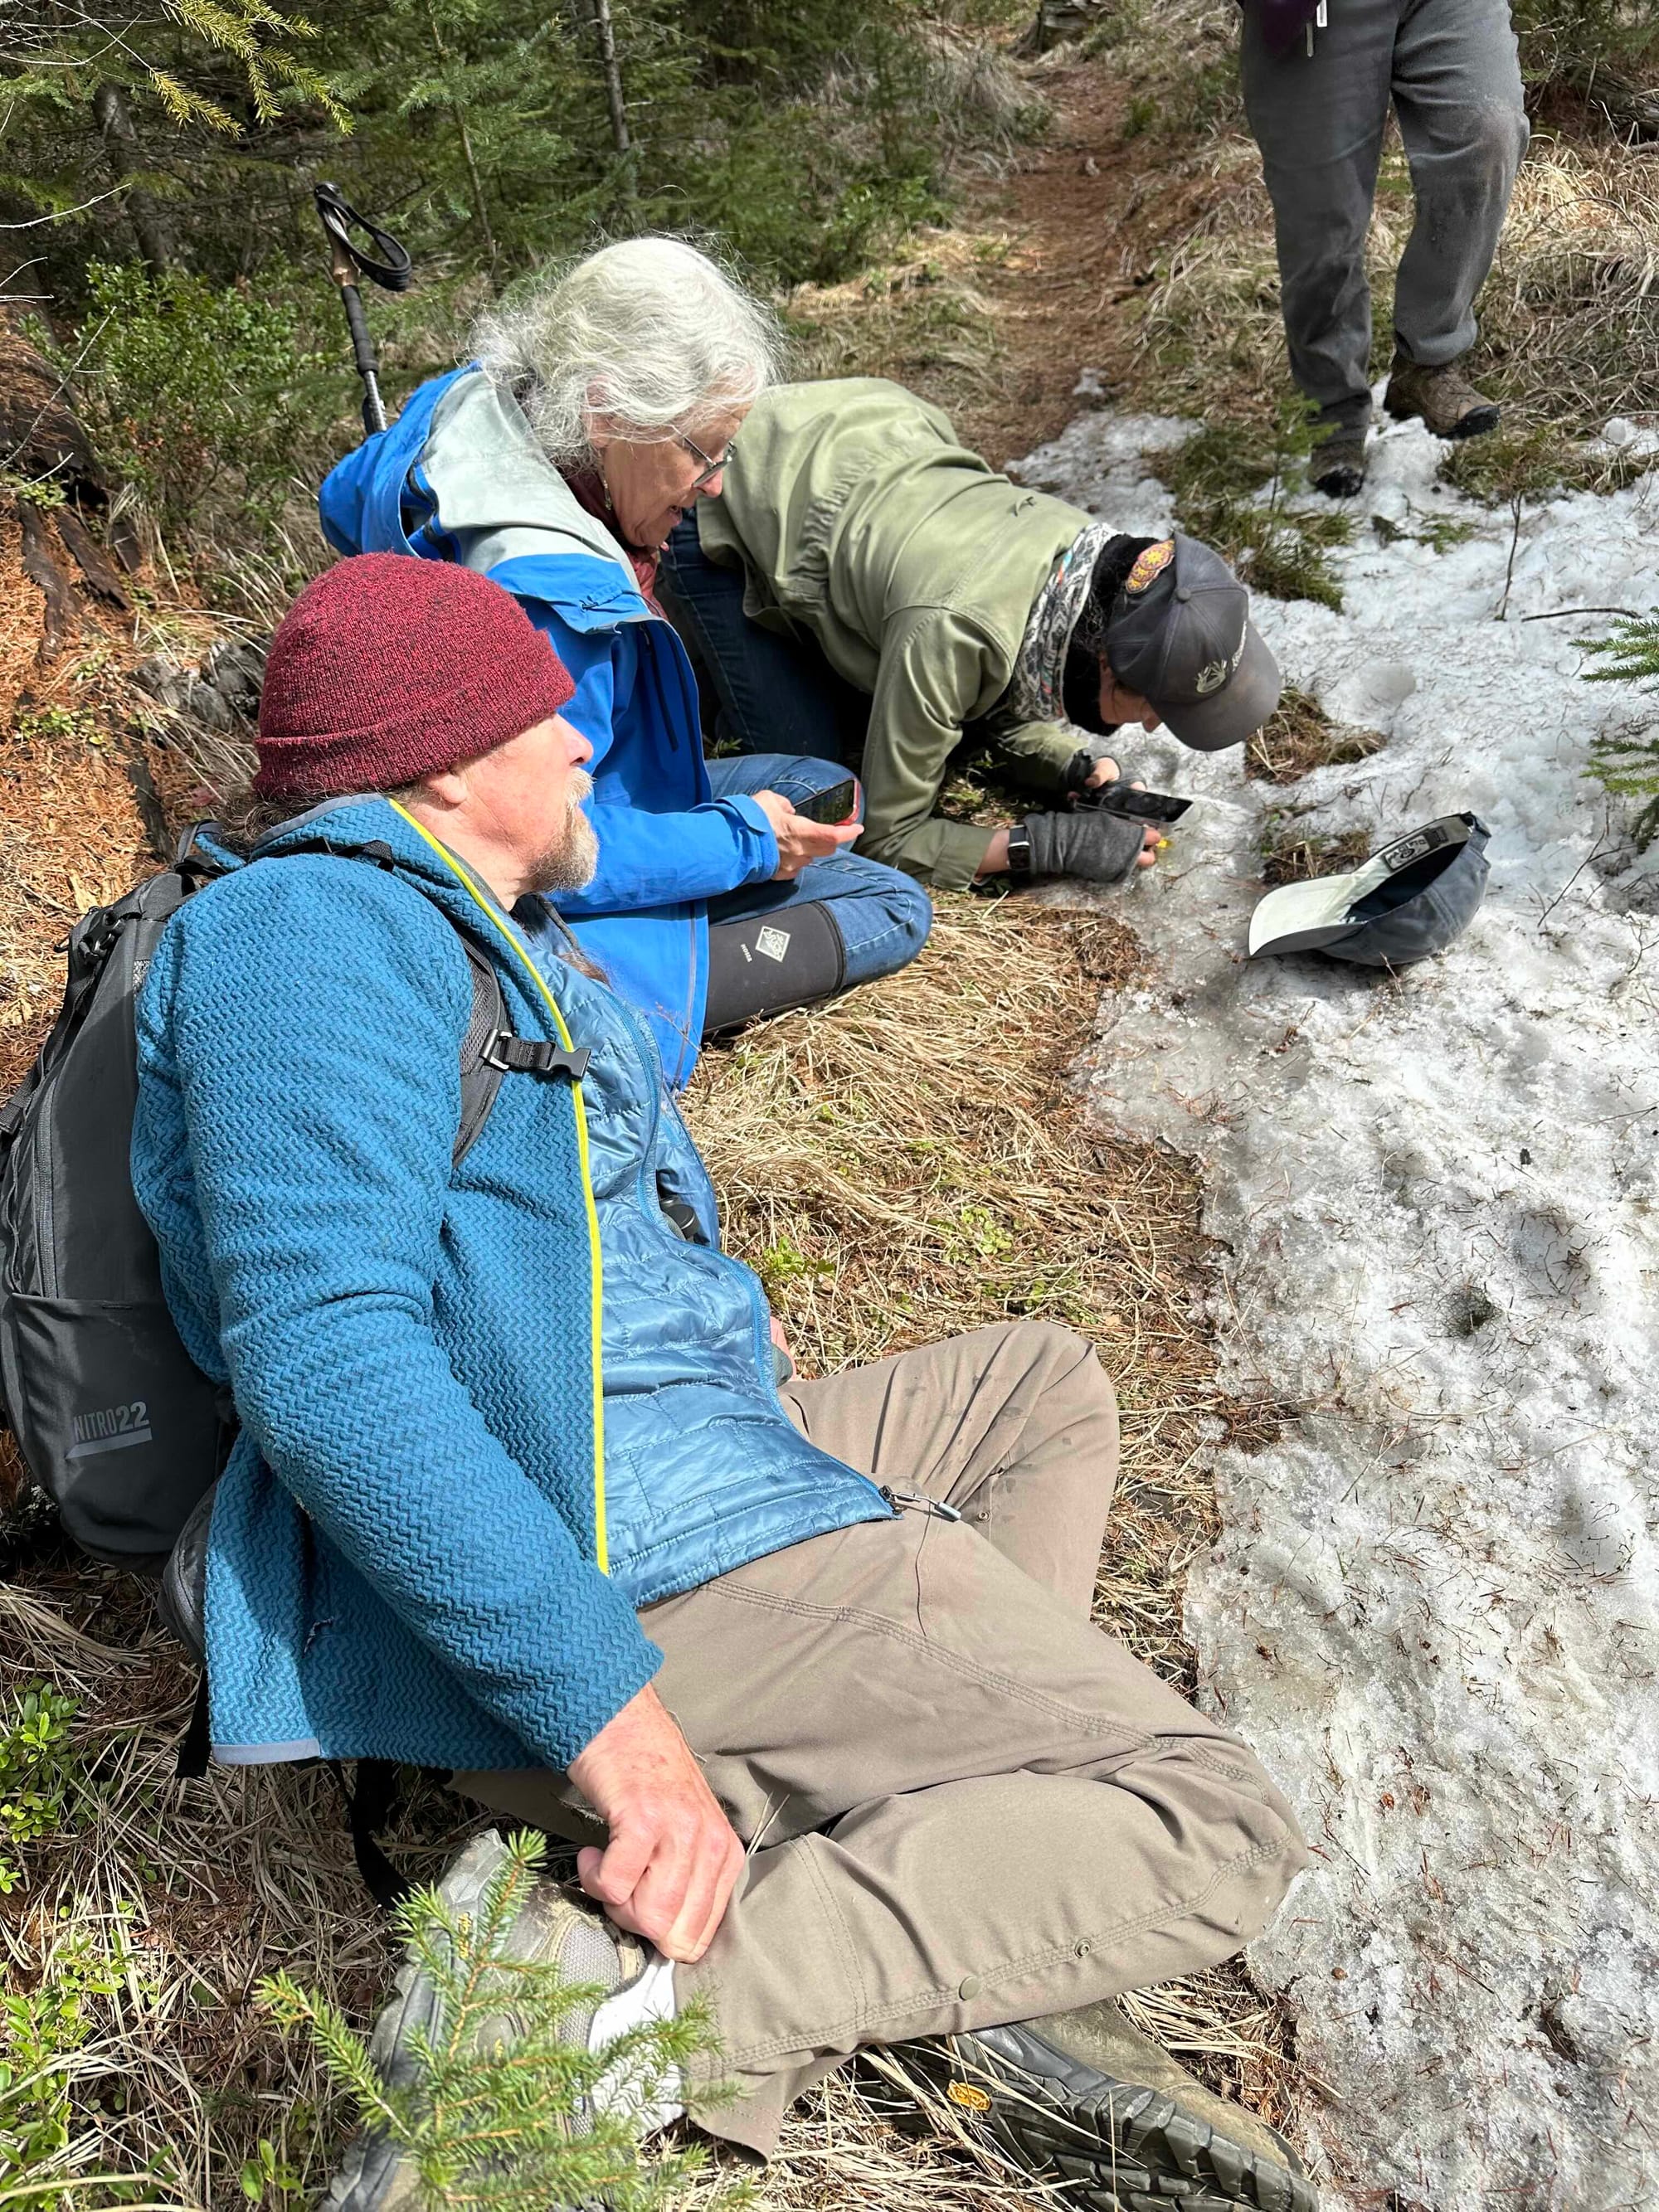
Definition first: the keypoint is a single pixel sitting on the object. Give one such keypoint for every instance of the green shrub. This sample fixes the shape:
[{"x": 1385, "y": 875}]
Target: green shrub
[
  {"x": 198, "y": 396},
  {"x": 39, "y": 1773},
  {"x": 44, "y": 2031},
  {"x": 1569, "y": 40}
]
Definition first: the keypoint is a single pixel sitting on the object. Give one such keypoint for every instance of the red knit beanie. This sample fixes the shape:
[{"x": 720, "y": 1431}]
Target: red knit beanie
[{"x": 388, "y": 667}]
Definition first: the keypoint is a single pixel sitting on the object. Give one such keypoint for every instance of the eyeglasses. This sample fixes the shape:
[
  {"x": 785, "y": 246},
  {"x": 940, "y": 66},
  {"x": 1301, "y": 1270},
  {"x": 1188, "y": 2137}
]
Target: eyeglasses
[{"x": 711, "y": 469}]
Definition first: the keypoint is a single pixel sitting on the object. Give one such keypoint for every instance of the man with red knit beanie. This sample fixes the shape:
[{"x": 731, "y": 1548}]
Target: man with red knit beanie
[
  {"x": 516, "y": 1491},
  {"x": 385, "y": 669}
]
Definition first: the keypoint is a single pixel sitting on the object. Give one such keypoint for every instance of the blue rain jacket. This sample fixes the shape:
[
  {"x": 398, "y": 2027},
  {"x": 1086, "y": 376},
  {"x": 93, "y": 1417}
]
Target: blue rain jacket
[
  {"x": 458, "y": 476},
  {"x": 435, "y": 1527}
]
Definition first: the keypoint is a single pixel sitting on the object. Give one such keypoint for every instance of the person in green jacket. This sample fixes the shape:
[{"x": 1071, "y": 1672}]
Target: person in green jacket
[{"x": 865, "y": 588}]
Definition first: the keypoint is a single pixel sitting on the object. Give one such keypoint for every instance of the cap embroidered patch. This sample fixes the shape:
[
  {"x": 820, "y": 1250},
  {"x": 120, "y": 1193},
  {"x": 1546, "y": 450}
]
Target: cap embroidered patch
[
  {"x": 1210, "y": 678},
  {"x": 970, "y": 2096},
  {"x": 1148, "y": 566}
]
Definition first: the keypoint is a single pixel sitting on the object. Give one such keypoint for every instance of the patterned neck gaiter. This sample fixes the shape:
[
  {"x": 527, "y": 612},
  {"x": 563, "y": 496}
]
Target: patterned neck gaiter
[{"x": 1036, "y": 694}]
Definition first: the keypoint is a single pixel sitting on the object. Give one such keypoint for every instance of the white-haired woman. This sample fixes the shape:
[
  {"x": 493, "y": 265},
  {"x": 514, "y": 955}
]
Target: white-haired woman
[{"x": 593, "y": 416}]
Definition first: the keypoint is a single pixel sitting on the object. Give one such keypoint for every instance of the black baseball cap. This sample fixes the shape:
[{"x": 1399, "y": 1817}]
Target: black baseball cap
[
  {"x": 1180, "y": 633},
  {"x": 1412, "y": 900}
]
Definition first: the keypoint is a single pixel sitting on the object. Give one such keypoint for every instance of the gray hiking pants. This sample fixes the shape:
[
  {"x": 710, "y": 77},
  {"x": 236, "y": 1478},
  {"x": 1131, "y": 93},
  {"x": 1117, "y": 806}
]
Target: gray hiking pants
[
  {"x": 964, "y": 1803},
  {"x": 1450, "y": 68}
]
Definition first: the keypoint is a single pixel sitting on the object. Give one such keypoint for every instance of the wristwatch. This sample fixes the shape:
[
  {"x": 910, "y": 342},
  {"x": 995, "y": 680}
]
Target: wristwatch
[{"x": 1019, "y": 850}]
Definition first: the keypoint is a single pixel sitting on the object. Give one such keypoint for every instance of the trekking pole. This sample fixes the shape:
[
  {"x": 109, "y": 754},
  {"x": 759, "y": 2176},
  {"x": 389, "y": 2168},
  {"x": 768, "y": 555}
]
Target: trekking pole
[{"x": 388, "y": 265}]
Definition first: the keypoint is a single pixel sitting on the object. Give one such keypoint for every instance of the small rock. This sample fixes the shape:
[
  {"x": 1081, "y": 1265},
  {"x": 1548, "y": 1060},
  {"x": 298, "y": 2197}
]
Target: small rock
[
  {"x": 163, "y": 678},
  {"x": 1620, "y": 431},
  {"x": 203, "y": 704}
]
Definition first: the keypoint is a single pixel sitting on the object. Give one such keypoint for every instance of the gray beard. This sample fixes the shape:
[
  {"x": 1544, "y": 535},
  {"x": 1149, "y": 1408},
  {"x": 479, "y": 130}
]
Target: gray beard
[{"x": 568, "y": 864}]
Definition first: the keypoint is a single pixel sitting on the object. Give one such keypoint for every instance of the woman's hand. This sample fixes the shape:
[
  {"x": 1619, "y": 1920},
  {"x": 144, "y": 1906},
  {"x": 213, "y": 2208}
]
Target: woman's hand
[
  {"x": 798, "y": 840},
  {"x": 672, "y": 1860},
  {"x": 1103, "y": 771}
]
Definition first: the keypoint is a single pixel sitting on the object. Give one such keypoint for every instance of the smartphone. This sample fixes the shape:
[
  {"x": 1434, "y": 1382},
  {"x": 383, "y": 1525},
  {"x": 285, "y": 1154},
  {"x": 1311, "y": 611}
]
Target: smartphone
[
  {"x": 1121, "y": 797},
  {"x": 836, "y": 805}
]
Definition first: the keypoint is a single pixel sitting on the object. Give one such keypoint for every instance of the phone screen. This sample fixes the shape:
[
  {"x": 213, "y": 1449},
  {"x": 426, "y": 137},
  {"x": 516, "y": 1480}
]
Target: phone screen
[{"x": 835, "y": 805}]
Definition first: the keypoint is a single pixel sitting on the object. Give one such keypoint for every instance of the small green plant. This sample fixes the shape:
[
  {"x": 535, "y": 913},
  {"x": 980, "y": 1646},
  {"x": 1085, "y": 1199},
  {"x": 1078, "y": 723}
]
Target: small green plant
[
  {"x": 1439, "y": 532},
  {"x": 974, "y": 1237},
  {"x": 79, "y": 722},
  {"x": 490, "y": 2122},
  {"x": 1628, "y": 764},
  {"x": 1217, "y": 479},
  {"x": 42, "y": 492},
  {"x": 784, "y": 1264},
  {"x": 39, "y": 1775},
  {"x": 43, "y": 2031},
  {"x": 268, "y": 2177}
]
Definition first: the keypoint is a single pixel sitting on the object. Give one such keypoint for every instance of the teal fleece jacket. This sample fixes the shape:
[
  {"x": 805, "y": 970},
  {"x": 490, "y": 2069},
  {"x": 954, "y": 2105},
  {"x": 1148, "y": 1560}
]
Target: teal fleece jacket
[{"x": 426, "y": 1545}]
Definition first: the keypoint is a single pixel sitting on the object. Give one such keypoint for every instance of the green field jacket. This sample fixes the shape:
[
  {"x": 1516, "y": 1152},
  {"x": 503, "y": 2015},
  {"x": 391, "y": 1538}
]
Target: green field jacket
[{"x": 862, "y": 523}]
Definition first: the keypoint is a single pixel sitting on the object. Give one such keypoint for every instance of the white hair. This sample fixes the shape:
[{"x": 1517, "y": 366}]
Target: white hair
[{"x": 648, "y": 333}]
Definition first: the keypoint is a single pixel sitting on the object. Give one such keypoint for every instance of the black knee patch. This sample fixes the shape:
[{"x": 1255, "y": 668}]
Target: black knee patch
[{"x": 770, "y": 962}]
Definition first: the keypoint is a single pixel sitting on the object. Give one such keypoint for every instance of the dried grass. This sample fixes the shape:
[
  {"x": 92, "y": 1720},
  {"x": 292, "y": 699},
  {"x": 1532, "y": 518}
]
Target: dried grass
[
  {"x": 911, "y": 1165},
  {"x": 922, "y": 318},
  {"x": 1300, "y": 736},
  {"x": 1290, "y": 855}
]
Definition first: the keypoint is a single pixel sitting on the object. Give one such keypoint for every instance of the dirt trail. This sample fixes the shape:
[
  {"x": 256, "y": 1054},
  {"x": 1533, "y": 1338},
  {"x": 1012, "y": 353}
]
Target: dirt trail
[{"x": 1090, "y": 206}]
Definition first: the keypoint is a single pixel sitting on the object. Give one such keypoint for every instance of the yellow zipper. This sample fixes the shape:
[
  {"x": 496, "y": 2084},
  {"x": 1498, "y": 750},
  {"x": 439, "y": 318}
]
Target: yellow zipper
[{"x": 493, "y": 915}]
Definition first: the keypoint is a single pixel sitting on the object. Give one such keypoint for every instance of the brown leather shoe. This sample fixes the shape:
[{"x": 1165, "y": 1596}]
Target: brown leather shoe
[
  {"x": 1449, "y": 404},
  {"x": 1336, "y": 465}
]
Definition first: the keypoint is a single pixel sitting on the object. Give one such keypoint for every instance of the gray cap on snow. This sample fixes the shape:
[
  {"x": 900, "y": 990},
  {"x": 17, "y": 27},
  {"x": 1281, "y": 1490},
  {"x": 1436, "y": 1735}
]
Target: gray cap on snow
[{"x": 1412, "y": 900}]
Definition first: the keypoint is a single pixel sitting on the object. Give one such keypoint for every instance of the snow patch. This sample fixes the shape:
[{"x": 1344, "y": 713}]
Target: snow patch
[{"x": 1434, "y": 1605}]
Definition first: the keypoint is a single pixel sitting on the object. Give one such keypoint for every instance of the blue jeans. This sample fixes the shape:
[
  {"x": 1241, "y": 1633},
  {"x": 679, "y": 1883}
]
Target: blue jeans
[
  {"x": 882, "y": 917},
  {"x": 775, "y": 694}
]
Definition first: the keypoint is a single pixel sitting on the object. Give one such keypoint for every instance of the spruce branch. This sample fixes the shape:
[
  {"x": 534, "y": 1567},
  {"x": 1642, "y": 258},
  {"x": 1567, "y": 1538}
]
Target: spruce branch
[
  {"x": 493, "y": 2099},
  {"x": 1627, "y": 762}
]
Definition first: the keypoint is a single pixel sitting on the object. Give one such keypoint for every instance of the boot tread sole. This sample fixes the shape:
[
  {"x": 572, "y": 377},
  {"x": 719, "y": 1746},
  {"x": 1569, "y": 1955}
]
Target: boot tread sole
[{"x": 1121, "y": 2146}]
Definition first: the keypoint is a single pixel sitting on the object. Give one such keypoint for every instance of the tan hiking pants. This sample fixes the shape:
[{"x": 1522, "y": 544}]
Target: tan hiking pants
[{"x": 964, "y": 1803}]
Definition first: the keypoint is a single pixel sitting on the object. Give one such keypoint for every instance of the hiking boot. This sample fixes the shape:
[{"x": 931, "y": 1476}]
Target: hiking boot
[
  {"x": 1449, "y": 404},
  {"x": 1336, "y": 465},
  {"x": 552, "y": 1925},
  {"x": 1087, "y": 2098}
]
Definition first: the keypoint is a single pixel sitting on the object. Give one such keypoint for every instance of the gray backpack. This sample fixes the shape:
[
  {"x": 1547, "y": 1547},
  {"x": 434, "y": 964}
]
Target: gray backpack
[{"x": 114, "y": 1420}]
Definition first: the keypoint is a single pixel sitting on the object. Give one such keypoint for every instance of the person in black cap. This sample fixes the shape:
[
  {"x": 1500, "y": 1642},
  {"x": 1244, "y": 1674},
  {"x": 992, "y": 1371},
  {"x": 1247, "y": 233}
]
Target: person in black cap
[{"x": 864, "y": 588}]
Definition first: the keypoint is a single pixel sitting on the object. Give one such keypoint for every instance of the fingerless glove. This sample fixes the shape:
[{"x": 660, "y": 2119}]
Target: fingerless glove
[{"x": 1102, "y": 849}]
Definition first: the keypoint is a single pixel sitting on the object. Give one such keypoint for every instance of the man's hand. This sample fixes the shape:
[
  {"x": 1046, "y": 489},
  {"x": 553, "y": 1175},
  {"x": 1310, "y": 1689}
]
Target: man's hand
[
  {"x": 798, "y": 840},
  {"x": 672, "y": 1861},
  {"x": 1103, "y": 771}
]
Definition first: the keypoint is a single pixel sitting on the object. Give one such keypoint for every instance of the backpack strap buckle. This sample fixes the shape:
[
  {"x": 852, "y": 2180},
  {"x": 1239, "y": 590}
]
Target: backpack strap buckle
[{"x": 520, "y": 1055}]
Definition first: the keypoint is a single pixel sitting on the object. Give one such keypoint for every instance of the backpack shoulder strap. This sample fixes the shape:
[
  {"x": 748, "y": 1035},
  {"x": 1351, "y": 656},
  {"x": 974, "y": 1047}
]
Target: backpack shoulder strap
[
  {"x": 489, "y": 1048},
  {"x": 481, "y": 1071}
]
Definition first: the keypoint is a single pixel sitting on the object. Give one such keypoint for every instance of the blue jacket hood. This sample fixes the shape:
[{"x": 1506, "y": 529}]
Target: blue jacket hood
[{"x": 486, "y": 495}]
